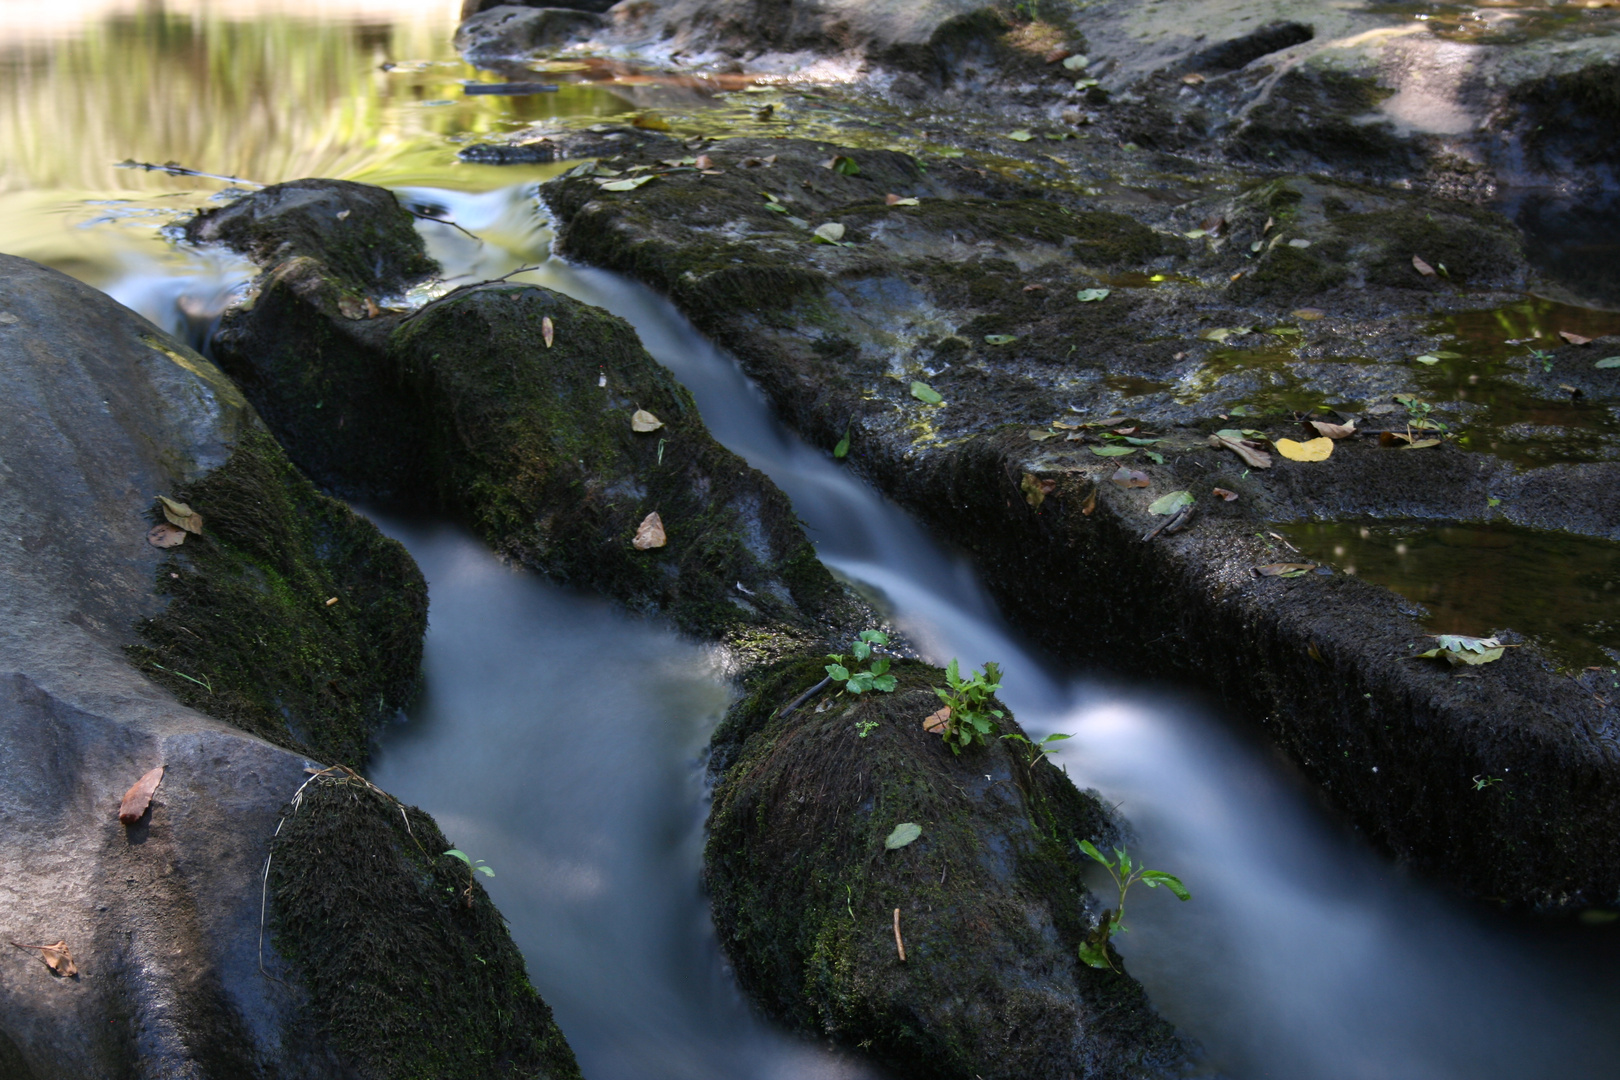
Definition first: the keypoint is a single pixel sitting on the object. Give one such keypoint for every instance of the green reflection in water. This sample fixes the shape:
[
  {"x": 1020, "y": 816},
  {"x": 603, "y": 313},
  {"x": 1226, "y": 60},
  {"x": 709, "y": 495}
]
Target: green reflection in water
[{"x": 1562, "y": 592}]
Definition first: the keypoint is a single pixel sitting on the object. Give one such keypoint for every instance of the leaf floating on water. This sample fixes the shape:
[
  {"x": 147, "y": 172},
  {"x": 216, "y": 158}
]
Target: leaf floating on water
[
  {"x": 139, "y": 797},
  {"x": 181, "y": 516},
  {"x": 829, "y": 233},
  {"x": 56, "y": 957},
  {"x": 935, "y": 722},
  {"x": 1019, "y": 136},
  {"x": 1285, "y": 569},
  {"x": 1091, "y": 296},
  {"x": 1334, "y": 431},
  {"x": 925, "y": 393},
  {"x": 642, "y": 420},
  {"x": 895, "y": 200},
  {"x": 1422, "y": 267},
  {"x": 1113, "y": 451},
  {"x": 548, "y": 332},
  {"x": 1036, "y": 489},
  {"x": 650, "y": 533},
  {"x": 1229, "y": 496},
  {"x": 1574, "y": 339},
  {"x": 1165, "y": 505},
  {"x": 903, "y": 834},
  {"x": 164, "y": 535},
  {"x": 1314, "y": 450},
  {"x": 999, "y": 339},
  {"x": 1608, "y": 362},
  {"x": 1258, "y": 459},
  {"x": 1130, "y": 478}
]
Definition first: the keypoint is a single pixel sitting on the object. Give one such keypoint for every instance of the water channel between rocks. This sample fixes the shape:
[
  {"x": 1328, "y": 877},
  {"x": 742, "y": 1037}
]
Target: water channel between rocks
[{"x": 562, "y": 740}]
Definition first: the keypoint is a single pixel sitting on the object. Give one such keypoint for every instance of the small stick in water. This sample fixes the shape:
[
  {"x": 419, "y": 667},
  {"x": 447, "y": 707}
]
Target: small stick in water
[
  {"x": 898, "y": 943},
  {"x": 174, "y": 168}
]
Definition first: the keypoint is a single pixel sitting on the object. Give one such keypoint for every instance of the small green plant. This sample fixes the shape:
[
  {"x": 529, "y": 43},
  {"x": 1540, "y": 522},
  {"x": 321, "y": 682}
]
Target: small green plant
[
  {"x": 967, "y": 718},
  {"x": 1038, "y": 750},
  {"x": 1544, "y": 358},
  {"x": 875, "y": 677},
  {"x": 864, "y": 728},
  {"x": 1094, "y": 950},
  {"x": 473, "y": 865},
  {"x": 1483, "y": 782}
]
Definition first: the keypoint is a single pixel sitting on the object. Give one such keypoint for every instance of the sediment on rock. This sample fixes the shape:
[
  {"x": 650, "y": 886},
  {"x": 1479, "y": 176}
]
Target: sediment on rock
[
  {"x": 1051, "y": 351},
  {"x": 515, "y": 407},
  {"x": 992, "y": 903}
]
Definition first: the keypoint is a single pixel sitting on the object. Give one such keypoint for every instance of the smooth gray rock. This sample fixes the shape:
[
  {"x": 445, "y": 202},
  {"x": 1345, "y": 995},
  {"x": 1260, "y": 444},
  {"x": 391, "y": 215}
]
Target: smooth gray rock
[
  {"x": 102, "y": 412},
  {"x": 506, "y": 31}
]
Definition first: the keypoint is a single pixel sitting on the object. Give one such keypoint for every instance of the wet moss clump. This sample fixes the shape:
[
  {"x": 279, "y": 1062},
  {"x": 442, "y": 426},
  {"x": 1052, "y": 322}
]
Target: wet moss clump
[
  {"x": 289, "y": 616},
  {"x": 406, "y": 979},
  {"x": 992, "y": 903}
]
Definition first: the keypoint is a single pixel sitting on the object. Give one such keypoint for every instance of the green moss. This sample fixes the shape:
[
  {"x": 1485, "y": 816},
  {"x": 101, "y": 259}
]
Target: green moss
[
  {"x": 407, "y": 980},
  {"x": 992, "y": 902},
  {"x": 1472, "y": 244},
  {"x": 1287, "y": 272},
  {"x": 248, "y": 614}
]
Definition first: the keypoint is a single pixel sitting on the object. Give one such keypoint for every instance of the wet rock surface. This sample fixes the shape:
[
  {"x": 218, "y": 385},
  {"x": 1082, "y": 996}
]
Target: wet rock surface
[
  {"x": 464, "y": 405},
  {"x": 992, "y": 905},
  {"x": 1244, "y": 310},
  {"x": 162, "y": 916}
]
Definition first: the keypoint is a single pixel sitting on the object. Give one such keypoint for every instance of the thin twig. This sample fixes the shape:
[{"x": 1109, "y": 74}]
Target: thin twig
[
  {"x": 898, "y": 943},
  {"x": 453, "y": 225},
  {"x": 175, "y": 169},
  {"x": 806, "y": 696}
]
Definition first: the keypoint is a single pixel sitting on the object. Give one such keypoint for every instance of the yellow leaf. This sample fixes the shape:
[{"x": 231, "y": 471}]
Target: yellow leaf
[
  {"x": 547, "y": 331},
  {"x": 181, "y": 516},
  {"x": 642, "y": 420},
  {"x": 1315, "y": 450}
]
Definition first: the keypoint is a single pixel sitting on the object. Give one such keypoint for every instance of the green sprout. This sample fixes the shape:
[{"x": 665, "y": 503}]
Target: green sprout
[{"x": 1094, "y": 950}]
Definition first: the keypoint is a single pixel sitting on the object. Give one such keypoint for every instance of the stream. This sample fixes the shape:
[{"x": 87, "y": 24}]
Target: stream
[{"x": 562, "y": 740}]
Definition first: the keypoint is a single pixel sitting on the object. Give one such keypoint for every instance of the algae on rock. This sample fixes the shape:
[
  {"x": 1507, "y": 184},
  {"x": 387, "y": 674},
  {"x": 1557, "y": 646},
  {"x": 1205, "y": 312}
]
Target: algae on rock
[{"x": 992, "y": 903}]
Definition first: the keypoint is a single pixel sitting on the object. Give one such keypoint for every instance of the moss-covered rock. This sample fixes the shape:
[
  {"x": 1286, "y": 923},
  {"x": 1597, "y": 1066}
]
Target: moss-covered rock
[
  {"x": 463, "y": 406},
  {"x": 992, "y": 906},
  {"x": 410, "y": 970},
  {"x": 288, "y": 616}
]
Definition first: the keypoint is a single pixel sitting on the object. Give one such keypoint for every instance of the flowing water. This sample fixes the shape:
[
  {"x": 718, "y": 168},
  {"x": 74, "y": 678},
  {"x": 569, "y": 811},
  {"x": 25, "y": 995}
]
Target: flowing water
[{"x": 562, "y": 741}]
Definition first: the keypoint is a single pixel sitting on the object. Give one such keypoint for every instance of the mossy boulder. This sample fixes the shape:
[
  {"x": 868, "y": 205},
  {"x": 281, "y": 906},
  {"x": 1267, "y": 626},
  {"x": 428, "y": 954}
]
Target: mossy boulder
[
  {"x": 992, "y": 903},
  {"x": 411, "y": 972},
  {"x": 464, "y": 406}
]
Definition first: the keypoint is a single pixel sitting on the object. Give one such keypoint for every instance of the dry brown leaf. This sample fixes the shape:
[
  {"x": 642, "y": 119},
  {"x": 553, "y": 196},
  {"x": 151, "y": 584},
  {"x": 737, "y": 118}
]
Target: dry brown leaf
[
  {"x": 547, "y": 331},
  {"x": 1277, "y": 569},
  {"x": 1314, "y": 450},
  {"x": 1574, "y": 339},
  {"x": 642, "y": 420},
  {"x": 1213, "y": 224},
  {"x": 704, "y": 161},
  {"x": 1124, "y": 431},
  {"x": 650, "y": 533},
  {"x": 1057, "y": 55},
  {"x": 1258, "y": 459},
  {"x": 1334, "y": 431},
  {"x": 1090, "y": 505},
  {"x": 1422, "y": 267},
  {"x": 56, "y": 957},
  {"x": 1131, "y": 478},
  {"x": 1229, "y": 496},
  {"x": 331, "y": 601},
  {"x": 935, "y": 722},
  {"x": 164, "y": 535},
  {"x": 1034, "y": 288},
  {"x": 139, "y": 797},
  {"x": 181, "y": 515},
  {"x": 1421, "y": 444}
]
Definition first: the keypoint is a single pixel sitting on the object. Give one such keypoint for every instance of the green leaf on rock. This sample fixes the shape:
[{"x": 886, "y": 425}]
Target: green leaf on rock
[
  {"x": 627, "y": 185},
  {"x": 1089, "y": 296},
  {"x": 999, "y": 339},
  {"x": 1608, "y": 362},
  {"x": 1019, "y": 136},
  {"x": 1165, "y": 505},
  {"x": 1113, "y": 451},
  {"x": 925, "y": 393},
  {"x": 903, "y": 834},
  {"x": 1077, "y": 63},
  {"x": 842, "y": 449},
  {"x": 1429, "y": 360},
  {"x": 829, "y": 233}
]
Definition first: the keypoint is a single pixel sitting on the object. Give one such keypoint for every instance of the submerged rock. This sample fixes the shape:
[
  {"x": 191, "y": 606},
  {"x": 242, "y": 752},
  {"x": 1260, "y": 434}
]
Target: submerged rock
[
  {"x": 103, "y": 413},
  {"x": 519, "y": 408},
  {"x": 992, "y": 907},
  {"x": 1055, "y": 337}
]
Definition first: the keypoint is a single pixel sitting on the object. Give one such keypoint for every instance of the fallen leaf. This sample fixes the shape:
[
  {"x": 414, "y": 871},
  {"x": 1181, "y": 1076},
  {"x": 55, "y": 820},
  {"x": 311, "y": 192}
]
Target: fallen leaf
[
  {"x": 1125, "y": 431},
  {"x": 548, "y": 333},
  {"x": 1091, "y": 296},
  {"x": 1054, "y": 55},
  {"x": 1309, "y": 314},
  {"x": 139, "y": 797},
  {"x": 925, "y": 393},
  {"x": 1422, "y": 267},
  {"x": 1574, "y": 339},
  {"x": 1034, "y": 288},
  {"x": 903, "y": 834},
  {"x": 642, "y": 420},
  {"x": 1299, "y": 243},
  {"x": 999, "y": 339},
  {"x": 627, "y": 185},
  {"x": 1036, "y": 489},
  {"x": 1421, "y": 444},
  {"x": 842, "y": 449},
  {"x": 1334, "y": 431},
  {"x": 1165, "y": 505},
  {"x": 1258, "y": 459},
  {"x": 1090, "y": 504},
  {"x": 1113, "y": 451},
  {"x": 1314, "y": 450},
  {"x": 1608, "y": 362},
  {"x": 56, "y": 957},
  {"x": 934, "y": 723},
  {"x": 1077, "y": 63},
  {"x": 181, "y": 515},
  {"x": 1457, "y": 649},
  {"x": 1219, "y": 334},
  {"x": 704, "y": 161},
  {"x": 1426, "y": 359},
  {"x": 1213, "y": 224},
  {"x": 331, "y": 601},
  {"x": 1192, "y": 79},
  {"x": 1285, "y": 569},
  {"x": 1131, "y": 478},
  {"x": 1037, "y": 435},
  {"x": 895, "y": 200},
  {"x": 843, "y": 166},
  {"x": 164, "y": 535},
  {"x": 650, "y": 533},
  {"x": 1019, "y": 136},
  {"x": 1229, "y": 496},
  {"x": 1456, "y": 642}
]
